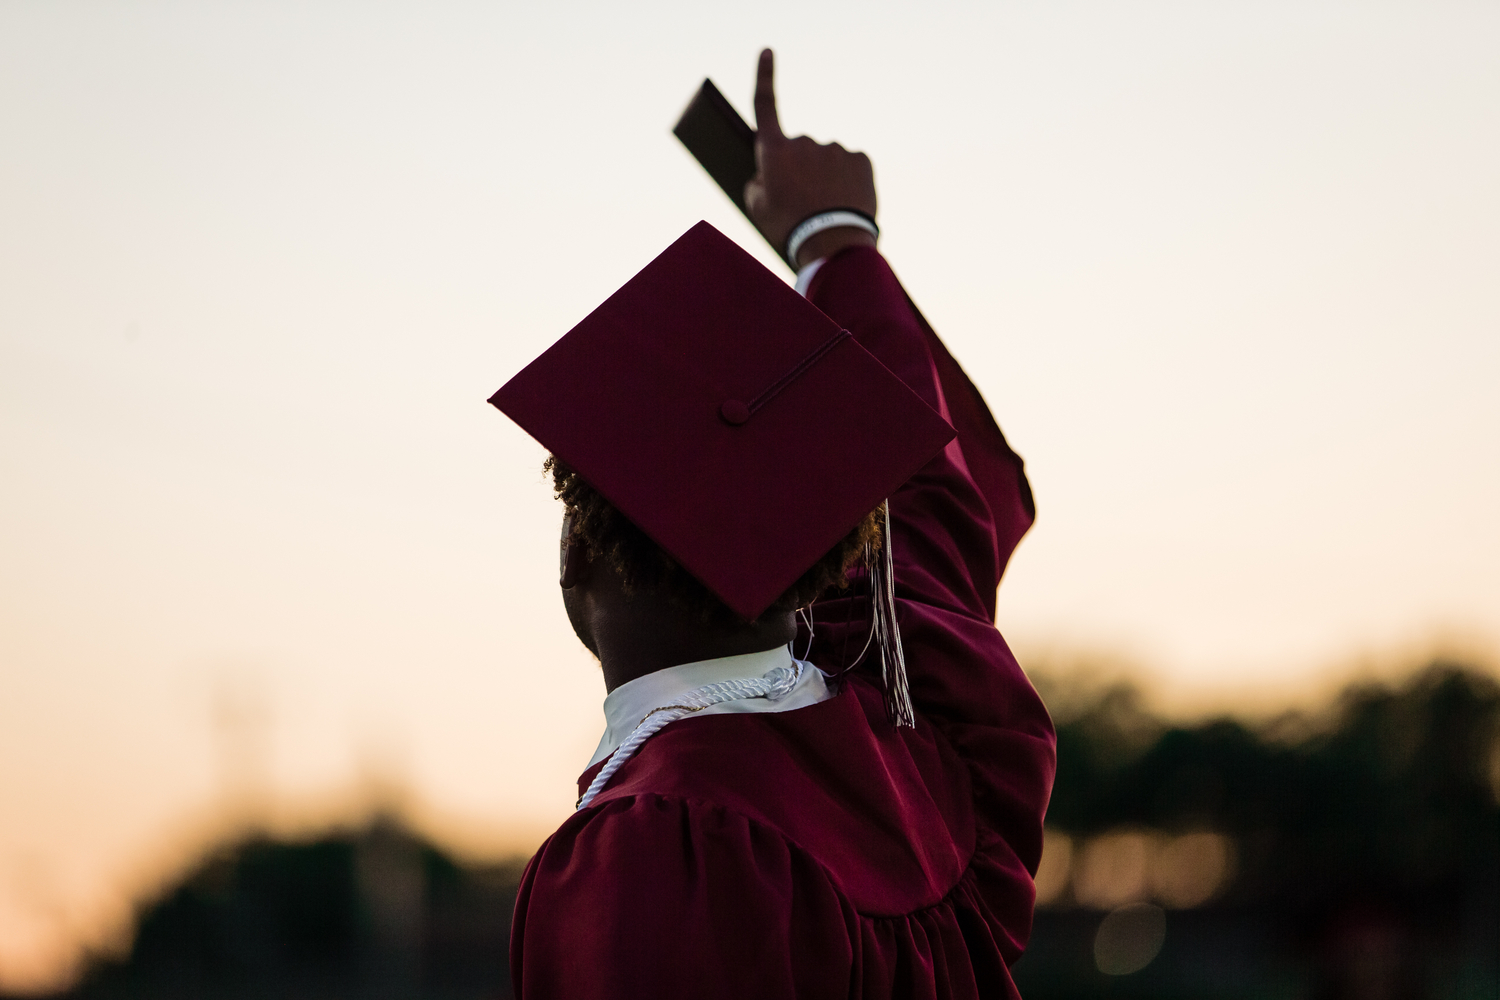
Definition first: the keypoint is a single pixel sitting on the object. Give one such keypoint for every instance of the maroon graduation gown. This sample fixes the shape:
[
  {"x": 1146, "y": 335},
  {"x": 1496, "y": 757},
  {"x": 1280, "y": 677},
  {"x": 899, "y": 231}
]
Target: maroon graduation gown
[{"x": 822, "y": 852}]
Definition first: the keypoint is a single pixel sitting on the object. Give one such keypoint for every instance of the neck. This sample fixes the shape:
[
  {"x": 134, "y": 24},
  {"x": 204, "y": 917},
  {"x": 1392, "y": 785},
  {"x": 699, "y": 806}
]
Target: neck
[
  {"x": 655, "y": 637},
  {"x": 641, "y": 633}
]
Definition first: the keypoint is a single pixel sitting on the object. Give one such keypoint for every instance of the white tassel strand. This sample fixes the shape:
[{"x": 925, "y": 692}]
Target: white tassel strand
[{"x": 887, "y": 633}]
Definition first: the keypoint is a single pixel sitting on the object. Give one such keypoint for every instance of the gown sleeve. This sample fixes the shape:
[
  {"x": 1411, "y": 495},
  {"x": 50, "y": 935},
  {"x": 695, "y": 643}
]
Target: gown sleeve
[
  {"x": 751, "y": 915},
  {"x": 954, "y": 526}
]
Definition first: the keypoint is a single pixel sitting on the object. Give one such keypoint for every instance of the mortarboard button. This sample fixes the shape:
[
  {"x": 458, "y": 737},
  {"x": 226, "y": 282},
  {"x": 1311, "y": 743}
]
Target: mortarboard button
[{"x": 734, "y": 412}]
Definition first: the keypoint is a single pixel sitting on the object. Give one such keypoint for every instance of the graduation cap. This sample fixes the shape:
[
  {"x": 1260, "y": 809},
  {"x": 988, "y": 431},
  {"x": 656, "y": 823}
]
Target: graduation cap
[{"x": 730, "y": 419}]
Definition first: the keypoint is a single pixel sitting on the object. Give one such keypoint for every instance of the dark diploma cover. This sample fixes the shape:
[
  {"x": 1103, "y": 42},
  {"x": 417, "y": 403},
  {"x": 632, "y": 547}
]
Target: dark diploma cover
[{"x": 721, "y": 140}]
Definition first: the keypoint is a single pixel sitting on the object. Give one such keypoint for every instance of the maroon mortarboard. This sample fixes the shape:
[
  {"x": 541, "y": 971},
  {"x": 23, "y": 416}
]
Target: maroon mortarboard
[{"x": 727, "y": 417}]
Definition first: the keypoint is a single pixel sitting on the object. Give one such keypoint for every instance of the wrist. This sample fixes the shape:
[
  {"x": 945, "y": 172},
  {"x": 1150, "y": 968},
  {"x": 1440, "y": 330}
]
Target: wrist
[
  {"x": 841, "y": 220},
  {"x": 831, "y": 241}
]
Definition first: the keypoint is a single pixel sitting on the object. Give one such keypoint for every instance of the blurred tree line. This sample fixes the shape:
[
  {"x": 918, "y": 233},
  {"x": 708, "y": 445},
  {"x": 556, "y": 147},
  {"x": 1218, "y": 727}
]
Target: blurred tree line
[
  {"x": 1366, "y": 850},
  {"x": 1367, "y": 844}
]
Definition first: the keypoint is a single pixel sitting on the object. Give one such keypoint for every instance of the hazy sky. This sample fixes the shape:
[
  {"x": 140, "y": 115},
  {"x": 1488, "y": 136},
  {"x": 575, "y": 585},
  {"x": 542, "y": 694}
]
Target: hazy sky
[{"x": 1228, "y": 274}]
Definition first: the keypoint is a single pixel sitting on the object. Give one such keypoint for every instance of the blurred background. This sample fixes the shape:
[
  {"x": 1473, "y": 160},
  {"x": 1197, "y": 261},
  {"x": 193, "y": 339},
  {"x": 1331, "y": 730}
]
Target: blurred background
[{"x": 286, "y": 695}]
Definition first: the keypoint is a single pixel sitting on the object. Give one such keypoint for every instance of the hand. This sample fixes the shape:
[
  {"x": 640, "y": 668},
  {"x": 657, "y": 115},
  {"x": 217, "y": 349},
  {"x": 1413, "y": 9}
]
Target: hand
[{"x": 796, "y": 178}]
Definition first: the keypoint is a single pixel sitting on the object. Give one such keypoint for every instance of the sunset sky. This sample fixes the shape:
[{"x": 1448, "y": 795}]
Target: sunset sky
[{"x": 1228, "y": 275}]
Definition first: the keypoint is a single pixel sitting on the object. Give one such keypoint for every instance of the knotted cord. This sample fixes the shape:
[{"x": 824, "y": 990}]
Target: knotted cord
[{"x": 774, "y": 685}]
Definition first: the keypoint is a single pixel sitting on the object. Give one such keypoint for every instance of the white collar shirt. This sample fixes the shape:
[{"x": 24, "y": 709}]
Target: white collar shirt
[{"x": 628, "y": 705}]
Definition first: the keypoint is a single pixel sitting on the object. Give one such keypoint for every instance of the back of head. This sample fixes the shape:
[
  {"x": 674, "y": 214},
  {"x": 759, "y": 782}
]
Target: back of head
[{"x": 605, "y": 534}]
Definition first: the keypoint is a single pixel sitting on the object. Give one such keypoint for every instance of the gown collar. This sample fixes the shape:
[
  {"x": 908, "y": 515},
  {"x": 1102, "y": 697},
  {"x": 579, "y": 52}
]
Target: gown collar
[{"x": 627, "y": 705}]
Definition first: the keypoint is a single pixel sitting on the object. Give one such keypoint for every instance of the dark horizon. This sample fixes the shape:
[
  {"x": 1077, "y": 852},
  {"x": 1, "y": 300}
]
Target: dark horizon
[{"x": 1366, "y": 863}]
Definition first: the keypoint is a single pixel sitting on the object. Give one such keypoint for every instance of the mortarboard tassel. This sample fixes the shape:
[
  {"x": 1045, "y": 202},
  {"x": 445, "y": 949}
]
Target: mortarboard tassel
[{"x": 886, "y": 633}]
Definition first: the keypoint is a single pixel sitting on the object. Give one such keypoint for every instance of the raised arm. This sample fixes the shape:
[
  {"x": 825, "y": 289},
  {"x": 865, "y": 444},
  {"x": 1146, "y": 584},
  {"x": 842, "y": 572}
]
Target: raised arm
[
  {"x": 954, "y": 524},
  {"x": 980, "y": 483}
]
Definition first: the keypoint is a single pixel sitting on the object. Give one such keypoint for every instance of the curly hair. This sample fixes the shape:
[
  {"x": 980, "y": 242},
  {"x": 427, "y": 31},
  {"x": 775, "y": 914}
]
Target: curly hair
[{"x": 642, "y": 565}]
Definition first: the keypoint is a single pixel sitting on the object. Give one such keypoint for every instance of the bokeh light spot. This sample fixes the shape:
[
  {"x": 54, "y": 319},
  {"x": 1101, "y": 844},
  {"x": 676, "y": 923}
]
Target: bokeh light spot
[
  {"x": 1188, "y": 870},
  {"x": 1057, "y": 863},
  {"x": 1112, "y": 870},
  {"x": 1129, "y": 938}
]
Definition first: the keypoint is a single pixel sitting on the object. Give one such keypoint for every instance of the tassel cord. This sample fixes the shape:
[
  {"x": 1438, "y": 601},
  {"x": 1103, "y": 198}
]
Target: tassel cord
[
  {"x": 884, "y": 634},
  {"x": 887, "y": 633}
]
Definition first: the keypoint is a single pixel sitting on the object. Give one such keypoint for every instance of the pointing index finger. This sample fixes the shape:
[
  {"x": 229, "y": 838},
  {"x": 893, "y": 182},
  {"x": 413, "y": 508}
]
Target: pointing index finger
[{"x": 766, "y": 122}]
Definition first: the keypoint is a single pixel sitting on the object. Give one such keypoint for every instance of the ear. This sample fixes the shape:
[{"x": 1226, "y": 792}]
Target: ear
[{"x": 574, "y": 561}]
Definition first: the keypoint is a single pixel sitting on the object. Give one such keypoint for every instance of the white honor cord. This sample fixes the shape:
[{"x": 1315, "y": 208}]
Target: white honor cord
[
  {"x": 774, "y": 685},
  {"x": 810, "y": 227}
]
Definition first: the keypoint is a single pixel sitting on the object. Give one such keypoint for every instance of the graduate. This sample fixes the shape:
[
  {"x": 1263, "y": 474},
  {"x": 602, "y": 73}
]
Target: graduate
[{"x": 784, "y": 522}]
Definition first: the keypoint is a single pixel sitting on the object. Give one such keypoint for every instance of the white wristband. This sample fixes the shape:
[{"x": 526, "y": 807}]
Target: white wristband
[{"x": 810, "y": 227}]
